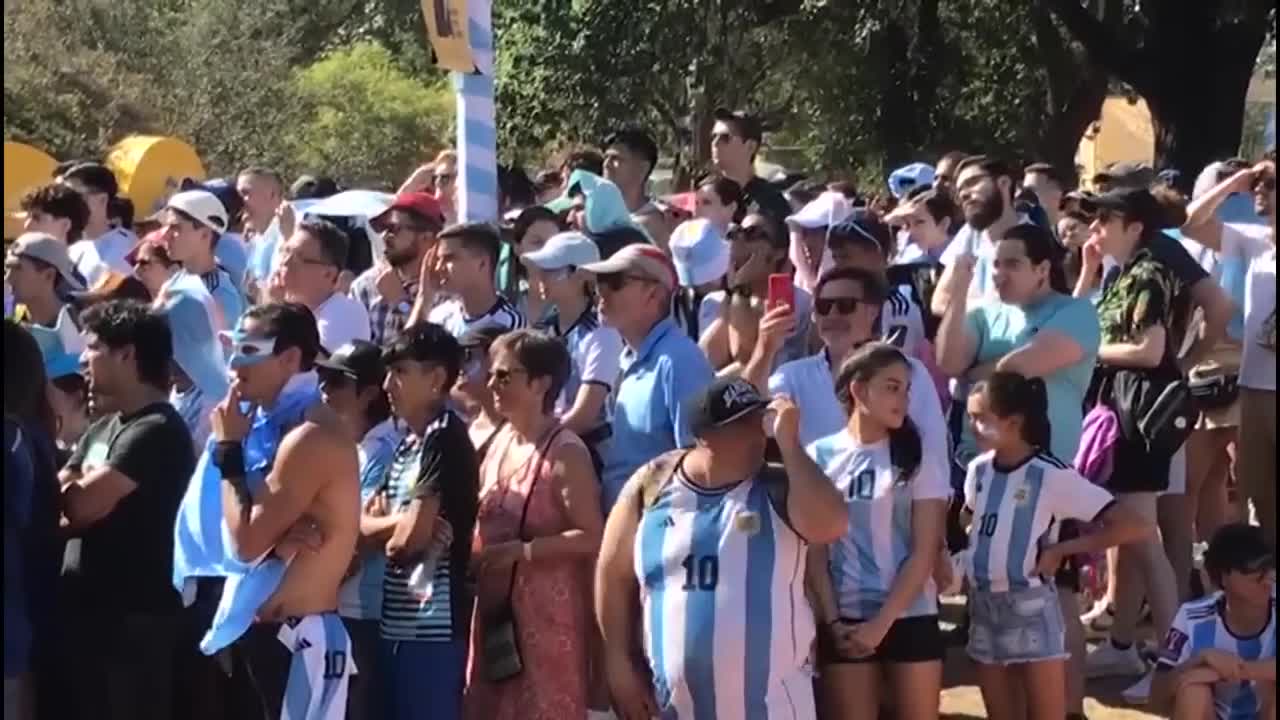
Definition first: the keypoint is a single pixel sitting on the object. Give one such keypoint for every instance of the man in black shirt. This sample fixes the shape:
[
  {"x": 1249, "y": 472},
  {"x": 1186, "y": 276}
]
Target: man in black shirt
[
  {"x": 735, "y": 141},
  {"x": 120, "y": 494}
]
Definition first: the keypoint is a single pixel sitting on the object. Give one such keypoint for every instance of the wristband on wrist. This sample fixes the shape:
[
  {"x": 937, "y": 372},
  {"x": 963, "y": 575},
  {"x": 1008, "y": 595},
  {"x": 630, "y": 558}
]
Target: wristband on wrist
[
  {"x": 527, "y": 550},
  {"x": 228, "y": 457}
]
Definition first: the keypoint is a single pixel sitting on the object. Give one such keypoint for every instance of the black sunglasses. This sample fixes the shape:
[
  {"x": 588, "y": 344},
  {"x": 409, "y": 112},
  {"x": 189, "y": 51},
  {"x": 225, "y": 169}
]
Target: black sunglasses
[
  {"x": 754, "y": 233},
  {"x": 844, "y": 305},
  {"x": 502, "y": 376}
]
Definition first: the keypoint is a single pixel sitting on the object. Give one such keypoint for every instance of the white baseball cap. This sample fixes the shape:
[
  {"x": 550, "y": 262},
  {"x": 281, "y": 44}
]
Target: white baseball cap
[
  {"x": 204, "y": 207},
  {"x": 566, "y": 249},
  {"x": 828, "y": 209},
  {"x": 699, "y": 252}
]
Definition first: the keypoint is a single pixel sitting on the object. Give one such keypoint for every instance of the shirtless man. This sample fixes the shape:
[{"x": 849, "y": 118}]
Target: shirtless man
[{"x": 306, "y": 513}]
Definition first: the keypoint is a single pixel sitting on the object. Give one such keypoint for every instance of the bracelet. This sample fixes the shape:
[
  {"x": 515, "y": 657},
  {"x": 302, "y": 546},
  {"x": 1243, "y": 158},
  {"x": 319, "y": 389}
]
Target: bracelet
[
  {"x": 228, "y": 457},
  {"x": 527, "y": 549}
]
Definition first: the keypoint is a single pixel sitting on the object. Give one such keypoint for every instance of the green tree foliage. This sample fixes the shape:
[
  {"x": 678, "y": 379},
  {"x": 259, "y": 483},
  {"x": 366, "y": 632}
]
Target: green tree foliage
[{"x": 367, "y": 120}]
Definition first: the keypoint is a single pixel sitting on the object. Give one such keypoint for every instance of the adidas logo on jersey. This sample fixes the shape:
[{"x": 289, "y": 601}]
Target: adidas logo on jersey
[{"x": 667, "y": 522}]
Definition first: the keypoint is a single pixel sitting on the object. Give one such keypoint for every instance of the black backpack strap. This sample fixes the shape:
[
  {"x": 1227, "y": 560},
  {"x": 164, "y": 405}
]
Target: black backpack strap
[{"x": 655, "y": 475}]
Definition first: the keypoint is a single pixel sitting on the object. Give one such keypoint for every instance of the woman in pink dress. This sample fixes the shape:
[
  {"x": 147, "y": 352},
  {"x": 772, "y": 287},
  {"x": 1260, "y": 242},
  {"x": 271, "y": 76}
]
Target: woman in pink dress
[{"x": 539, "y": 515}]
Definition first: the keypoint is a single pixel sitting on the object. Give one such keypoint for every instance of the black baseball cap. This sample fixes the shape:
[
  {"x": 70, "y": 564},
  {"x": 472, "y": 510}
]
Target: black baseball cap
[
  {"x": 1137, "y": 204},
  {"x": 1238, "y": 547},
  {"x": 95, "y": 177},
  {"x": 1126, "y": 175},
  {"x": 747, "y": 126},
  {"x": 723, "y": 403},
  {"x": 359, "y": 360}
]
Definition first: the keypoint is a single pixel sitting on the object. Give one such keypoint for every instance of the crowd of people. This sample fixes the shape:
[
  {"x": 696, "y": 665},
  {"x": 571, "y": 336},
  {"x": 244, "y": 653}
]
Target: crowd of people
[{"x": 714, "y": 455}]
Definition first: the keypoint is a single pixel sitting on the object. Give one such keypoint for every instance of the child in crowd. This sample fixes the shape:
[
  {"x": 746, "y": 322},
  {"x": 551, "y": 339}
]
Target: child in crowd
[
  {"x": 1219, "y": 658},
  {"x": 1018, "y": 494}
]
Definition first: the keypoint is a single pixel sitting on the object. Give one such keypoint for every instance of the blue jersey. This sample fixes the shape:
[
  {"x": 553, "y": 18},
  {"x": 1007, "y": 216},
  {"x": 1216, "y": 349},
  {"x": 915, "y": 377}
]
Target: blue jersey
[
  {"x": 865, "y": 562},
  {"x": 727, "y": 625},
  {"x": 1200, "y": 626},
  {"x": 1016, "y": 510}
]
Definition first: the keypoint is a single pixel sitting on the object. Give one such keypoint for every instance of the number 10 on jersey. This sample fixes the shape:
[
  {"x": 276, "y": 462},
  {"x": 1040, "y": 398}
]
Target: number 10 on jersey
[{"x": 701, "y": 572}]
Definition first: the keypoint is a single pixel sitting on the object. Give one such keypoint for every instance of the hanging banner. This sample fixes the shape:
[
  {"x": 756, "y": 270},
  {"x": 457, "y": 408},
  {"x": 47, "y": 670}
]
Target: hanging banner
[{"x": 447, "y": 30}]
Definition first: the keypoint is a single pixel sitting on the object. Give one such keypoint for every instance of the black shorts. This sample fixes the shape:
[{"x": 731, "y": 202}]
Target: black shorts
[
  {"x": 909, "y": 640},
  {"x": 1136, "y": 469}
]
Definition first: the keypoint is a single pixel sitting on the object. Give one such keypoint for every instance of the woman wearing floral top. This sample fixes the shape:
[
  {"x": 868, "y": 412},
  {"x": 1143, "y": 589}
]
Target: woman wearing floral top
[{"x": 1135, "y": 361}]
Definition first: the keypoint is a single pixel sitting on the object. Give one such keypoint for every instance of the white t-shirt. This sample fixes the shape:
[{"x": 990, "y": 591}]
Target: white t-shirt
[
  {"x": 1015, "y": 509},
  {"x": 808, "y": 382},
  {"x": 341, "y": 319},
  {"x": 1258, "y": 363},
  {"x": 95, "y": 258}
]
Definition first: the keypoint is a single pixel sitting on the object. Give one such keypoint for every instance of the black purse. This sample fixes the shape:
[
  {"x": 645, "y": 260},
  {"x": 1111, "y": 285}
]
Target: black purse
[
  {"x": 1214, "y": 392},
  {"x": 500, "y": 657}
]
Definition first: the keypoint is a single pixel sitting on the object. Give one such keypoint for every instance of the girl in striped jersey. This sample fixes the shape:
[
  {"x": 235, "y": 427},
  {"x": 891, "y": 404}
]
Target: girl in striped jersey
[
  {"x": 1017, "y": 494},
  {"x": 872, "y": 588}
]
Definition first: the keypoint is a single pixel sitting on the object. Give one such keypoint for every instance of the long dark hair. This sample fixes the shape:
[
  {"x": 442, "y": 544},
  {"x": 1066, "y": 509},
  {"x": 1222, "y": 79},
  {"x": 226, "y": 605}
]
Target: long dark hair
[
  {"x": 729, "y": 192},
  {"x": 905, "y": 447},
  {"x": 26, "y": 393},
  {"x": 1009, "y": 394}
]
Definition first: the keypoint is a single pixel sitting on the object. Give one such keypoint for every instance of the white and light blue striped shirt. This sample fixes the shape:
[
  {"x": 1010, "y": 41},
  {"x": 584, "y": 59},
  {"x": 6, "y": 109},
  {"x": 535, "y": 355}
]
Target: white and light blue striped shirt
[
  {"x": 727, "y": 625},
  {"x": 864, "y": 563},
  {"x": 1015, "y": 512},
  {"x": 1200, "y": 626}
]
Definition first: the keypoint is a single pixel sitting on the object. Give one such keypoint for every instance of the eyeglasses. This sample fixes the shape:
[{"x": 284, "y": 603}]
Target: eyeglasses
[
  {"x": 617, "y": 281},
  {"x": 502, "y": 376},
  {"x": 843, "y": 305}
]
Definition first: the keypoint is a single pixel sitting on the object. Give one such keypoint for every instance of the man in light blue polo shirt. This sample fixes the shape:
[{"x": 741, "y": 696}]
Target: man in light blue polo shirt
[
  {"x": 1036, "y": 330},
  {"x": 661, "y": 366}
]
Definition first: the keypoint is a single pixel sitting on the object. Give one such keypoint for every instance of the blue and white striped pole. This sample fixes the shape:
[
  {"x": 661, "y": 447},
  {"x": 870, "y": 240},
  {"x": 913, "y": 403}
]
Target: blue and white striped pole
[{"x": 477, "y": 129}]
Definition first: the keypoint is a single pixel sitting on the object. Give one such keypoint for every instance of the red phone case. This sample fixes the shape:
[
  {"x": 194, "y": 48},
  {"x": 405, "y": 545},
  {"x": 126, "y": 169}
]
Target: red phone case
[{"x": 781, "y": 291}]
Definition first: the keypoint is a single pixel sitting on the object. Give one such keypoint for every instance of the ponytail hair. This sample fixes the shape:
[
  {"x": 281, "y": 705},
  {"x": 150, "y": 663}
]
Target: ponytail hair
[
  {"x": 906, "y": 450},
  {"x": 1009, "y": 394}
]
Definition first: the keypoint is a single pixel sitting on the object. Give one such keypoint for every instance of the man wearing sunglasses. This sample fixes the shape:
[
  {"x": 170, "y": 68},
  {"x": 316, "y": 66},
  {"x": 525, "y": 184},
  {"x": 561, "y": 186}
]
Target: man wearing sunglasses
[
  {"x": 310, "y": 262},
  {"x": 388, "y": 289},
  {"x": 846, "y": 310},
  {"x": 661, "y": 366},
  {"x": 1219, "y": 658},
  {"x": 280, "y": 477},
  {"x": 736, "y": 138}
]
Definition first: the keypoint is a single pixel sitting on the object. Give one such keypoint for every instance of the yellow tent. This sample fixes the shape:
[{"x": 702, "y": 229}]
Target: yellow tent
[
  {"x": 1123, "y": 133},
  {"x": 150, "y": 169},
  {"x": 25, "y": 168}
]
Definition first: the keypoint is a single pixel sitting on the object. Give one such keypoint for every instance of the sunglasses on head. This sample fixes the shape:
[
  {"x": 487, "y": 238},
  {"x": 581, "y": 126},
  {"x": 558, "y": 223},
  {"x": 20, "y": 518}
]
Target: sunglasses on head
[{"x": 843, "y": 305}]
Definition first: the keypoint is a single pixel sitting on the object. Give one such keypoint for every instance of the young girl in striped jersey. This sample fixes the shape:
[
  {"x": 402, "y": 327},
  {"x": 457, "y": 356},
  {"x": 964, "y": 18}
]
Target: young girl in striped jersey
[
  {"x": 873, "y": 590},
  {"x": 1018, "y": 494}
]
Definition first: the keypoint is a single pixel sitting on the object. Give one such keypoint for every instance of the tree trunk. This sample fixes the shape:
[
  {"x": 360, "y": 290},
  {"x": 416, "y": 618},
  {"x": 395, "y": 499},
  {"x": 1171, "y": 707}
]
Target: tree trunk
[
  {"x": 1198, "y": 112},
  {"x": 896, "y": 122}
]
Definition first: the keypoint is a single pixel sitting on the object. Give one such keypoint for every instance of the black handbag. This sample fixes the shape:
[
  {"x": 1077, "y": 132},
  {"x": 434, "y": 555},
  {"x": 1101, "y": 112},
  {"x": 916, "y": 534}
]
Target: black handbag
[
  {"x": 500, "y": 657},
  {"x": 1154, "y": 407}
]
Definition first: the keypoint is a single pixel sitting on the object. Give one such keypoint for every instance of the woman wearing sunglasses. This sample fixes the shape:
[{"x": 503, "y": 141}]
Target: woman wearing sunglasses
[
  {"x": 537, "y": 533},
  {"x": 151, "y": 263}
]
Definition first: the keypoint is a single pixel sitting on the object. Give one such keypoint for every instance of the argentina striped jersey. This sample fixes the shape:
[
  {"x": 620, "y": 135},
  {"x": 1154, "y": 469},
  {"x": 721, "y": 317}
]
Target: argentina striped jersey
[
  {"x": 727, "y": 625},
  {"x": 1016, "y": 511},
  {"x": 864, "y": 563}
]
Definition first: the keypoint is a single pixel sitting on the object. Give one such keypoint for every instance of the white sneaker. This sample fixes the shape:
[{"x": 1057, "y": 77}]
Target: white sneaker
[
  {"x": 1107, "y": 660},
  {"x": 1100, "y": 617},
  {"x": 1140, "y": 693}
]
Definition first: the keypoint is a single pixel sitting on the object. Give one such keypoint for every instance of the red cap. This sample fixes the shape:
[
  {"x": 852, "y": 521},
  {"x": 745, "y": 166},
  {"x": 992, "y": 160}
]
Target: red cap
[
  {"x": 154, "y": 238},
  {"x": 419, "y": 203}
]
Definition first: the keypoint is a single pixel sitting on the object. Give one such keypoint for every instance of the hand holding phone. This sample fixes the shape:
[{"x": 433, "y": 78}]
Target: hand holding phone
[{"x": 781, "y": 291}]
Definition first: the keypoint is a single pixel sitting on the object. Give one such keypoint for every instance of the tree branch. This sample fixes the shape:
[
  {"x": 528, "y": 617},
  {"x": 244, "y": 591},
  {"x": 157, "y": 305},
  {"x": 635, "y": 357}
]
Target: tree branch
[{"x": 1098, "y": 40}]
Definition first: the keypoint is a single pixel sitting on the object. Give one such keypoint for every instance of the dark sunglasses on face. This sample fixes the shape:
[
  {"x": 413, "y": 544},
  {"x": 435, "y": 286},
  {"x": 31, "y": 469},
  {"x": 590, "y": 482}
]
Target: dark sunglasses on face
[
  {"x": 754, "y": 233},
  {"x": 844, "y": 305},
  {"x": 617, "y": 281},
  {"x": 394, "y": 229}
]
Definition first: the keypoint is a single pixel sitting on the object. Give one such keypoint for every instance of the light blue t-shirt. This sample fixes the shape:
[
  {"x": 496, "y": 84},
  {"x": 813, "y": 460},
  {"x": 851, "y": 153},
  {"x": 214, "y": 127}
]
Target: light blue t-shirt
[
  {"x": 1000, "y": 329},
  {"x": 232, "y": 255},
  {"x": 649, "y": 416}
]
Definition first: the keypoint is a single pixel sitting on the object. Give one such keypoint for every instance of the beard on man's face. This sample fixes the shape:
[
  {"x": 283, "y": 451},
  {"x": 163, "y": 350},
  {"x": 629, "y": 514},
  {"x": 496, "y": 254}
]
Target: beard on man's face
[{"x": 988, "y": 211}]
